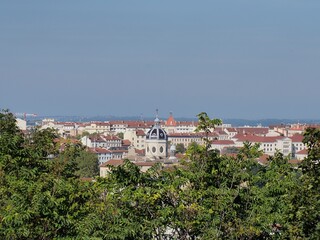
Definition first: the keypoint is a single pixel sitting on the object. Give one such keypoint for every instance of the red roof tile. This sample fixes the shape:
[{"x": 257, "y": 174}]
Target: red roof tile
[
  {"x": 140, "y": 152},
  {"x": 190, "y": 135},
  {"x": 295, "y": 161},
  {"x": 297, "y": 138},
  {"x": 263, "y": 159},
  {"x": 113, "y": 162},
  {"x": 140, "y": 133},
  {"x": 253, "y": 130},
  {"x": 144, "y": 164},
  {"x": 223, "y": 142},
  {"x": 170, "y": 121},
  {"x": 303, "y": 152},
  {"x": 126, "y": 142},
  {"x": 99, "y": 150},
  {"x": 254, "y": 138}
]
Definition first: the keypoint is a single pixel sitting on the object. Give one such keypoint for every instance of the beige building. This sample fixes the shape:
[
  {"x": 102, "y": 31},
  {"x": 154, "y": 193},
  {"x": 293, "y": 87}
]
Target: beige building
[
  {"x": 269, "y": 145},
  {"x": 297, "y": 144},
  {"x": 95, "y": 127},
  {"x": 185, "y": 138},
  {"x": 136, "y": 137},
  {"x": 65, "y": 129}
]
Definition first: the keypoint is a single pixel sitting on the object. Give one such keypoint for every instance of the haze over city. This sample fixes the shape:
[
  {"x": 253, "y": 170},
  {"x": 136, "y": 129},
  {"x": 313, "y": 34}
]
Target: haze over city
[{"x": 233, "y": 59}]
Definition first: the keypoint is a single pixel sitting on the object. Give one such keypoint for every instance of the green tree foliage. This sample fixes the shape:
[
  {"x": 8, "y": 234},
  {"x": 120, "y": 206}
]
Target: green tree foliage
[
  {"x": 180, "y": 148},
  {"x": 36, "y": 203},
  {"x": 305, "y": 206},
  {"x": 88, "y": 164},
  {"x": 120, "y": 135},
  {"x": 249, "y": 151},
  {"x": 43, "y": 143},
  {"x": 207, "y": 196},
  {"x": 231, "y": 150},
  {"x": 206, "y": 126}
]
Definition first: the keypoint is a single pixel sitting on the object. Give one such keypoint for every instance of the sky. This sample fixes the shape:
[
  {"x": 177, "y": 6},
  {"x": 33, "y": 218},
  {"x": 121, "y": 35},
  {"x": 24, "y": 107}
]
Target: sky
[{"x": 247, "y": 59}]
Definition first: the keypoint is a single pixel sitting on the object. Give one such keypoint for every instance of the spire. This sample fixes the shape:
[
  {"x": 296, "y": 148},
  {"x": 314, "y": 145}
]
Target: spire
[{"x": 157, "y": 120}]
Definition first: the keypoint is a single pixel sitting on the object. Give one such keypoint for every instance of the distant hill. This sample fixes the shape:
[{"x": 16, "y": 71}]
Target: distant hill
[{"x": 233, "y": 121}]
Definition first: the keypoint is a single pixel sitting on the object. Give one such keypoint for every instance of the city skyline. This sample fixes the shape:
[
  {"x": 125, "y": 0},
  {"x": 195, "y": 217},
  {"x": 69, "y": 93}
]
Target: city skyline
[{"x": 231, "y": 59}]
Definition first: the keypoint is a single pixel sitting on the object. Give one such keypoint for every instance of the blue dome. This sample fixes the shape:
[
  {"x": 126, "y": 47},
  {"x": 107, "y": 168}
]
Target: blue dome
[{"x": 157, "y": 133}]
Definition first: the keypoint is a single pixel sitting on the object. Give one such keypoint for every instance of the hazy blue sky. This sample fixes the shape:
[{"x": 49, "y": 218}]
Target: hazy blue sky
[{"x": 231, "y": 58}]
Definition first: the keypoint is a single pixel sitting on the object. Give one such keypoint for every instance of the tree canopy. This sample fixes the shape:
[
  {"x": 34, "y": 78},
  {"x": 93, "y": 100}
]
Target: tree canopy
[{"x": 207, "y": 196}]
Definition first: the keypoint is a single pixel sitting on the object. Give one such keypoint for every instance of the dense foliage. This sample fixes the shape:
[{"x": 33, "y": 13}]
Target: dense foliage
[{"x": 208, "y": 196}]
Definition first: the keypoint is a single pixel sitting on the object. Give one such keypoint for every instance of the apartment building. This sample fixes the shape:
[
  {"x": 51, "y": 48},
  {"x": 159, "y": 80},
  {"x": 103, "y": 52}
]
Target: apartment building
[
  {"x": 136, "y": 137},
  {"x": 101, "y": 141}
]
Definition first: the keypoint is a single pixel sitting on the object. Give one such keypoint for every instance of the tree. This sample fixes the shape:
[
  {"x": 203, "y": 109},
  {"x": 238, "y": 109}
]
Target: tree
[
  {"x": 305, "y": 207},
  {"x": 36, "y": 203},
  {"x": 180, "y": 148},
  {"x": 43, "y": 142},
  {"x": 120, "y": 135},
  {"x": 208, "y": 196},
  {"x": 250, "y": 151},
  {"x": 230, "y": 150},
  {"x": 83, "y": 134},
  {"x": 88, "y": 164},
  {"x": 206, "y": 125}
]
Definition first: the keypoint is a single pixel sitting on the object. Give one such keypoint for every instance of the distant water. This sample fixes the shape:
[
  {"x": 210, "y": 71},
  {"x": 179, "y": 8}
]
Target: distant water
[
  {"x": 234, "y": 122},
  {"x": 269, "y": 122}
]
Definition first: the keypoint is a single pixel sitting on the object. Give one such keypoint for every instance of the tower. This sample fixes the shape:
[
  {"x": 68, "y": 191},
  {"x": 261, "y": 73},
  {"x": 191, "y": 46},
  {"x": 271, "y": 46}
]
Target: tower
[{"x": 156, "y": 142}]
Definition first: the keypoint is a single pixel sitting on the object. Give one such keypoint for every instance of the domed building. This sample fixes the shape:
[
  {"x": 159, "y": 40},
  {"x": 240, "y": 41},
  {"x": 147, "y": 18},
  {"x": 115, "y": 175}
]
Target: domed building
[{"x": 156, "y": 142}]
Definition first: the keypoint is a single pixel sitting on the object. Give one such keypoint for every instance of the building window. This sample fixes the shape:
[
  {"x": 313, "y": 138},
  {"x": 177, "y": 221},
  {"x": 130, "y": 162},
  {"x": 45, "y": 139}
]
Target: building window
[
  {"x": 153, "y": 149},
  {"x": 161, "y": 149}
]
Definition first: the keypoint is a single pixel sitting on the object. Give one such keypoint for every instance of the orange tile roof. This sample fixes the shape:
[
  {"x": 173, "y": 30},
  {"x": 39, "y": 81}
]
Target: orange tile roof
[
  {"x": 223, "y": 142},
  {"x": 144, "y": 164},
  {"x": 303, "y": 152},
  {"x": 118, "y": 151},
  {"x": 295, "y": 161},
  {"x": 185, "y": 135},
  {"x": 254, "y": 138},
  {"x": 140, "y": 133},
  {"x": 140, "y": 152},
  {"x": 170, "y": 121},
  {"x": 99, "y": 150},
  {"x": 111, "y": 137},
  {"x": 112, "y": 162},
  {"x": 297, "y": 138},
  {"x": 253, "y": 130},
  {"x": 263, "y": 159},
  {"x": 126, "y": 142}
]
